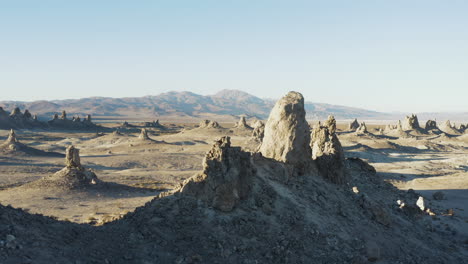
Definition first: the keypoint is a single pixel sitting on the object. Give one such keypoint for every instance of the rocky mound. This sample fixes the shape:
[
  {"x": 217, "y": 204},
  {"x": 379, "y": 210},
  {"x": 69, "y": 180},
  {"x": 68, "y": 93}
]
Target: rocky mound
[
  {"x": 287, "y": 133},
  {"x": 328, "y": 153},
  {"x": 242, "y": 124},
  {"x": 411, "y": 123},
  {"x": 362, "y": 129},
  {"x": 259, "y": 131},
  {"x": 353, "y": 125},
  {"x": 396, "y": 131},
  {"x": 449, "y": 129},
  {"x": 72, "y": 176},
  {"x": 208, "y": 124},
  {"x": 431, "y": 125},
  {"x": 13, "y": 146},
  {"x": 18, "y": 120},
  {"x": 143, "y": 135},
  {"x": 225, "y": 179},
  {"x": 76, "y": 123}
]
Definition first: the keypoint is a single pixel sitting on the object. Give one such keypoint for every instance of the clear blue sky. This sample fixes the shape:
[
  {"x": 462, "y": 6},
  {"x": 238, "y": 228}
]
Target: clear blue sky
[{"x": 384, "y": 55}]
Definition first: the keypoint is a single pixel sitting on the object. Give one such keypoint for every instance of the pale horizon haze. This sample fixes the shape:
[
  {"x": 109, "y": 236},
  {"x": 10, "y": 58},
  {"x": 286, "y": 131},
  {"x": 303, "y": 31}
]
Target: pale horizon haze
[{"x": 405, "y": 56}]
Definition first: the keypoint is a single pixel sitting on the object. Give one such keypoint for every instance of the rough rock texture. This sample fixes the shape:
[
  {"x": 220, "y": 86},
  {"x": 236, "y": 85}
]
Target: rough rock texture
[
  {"x": 431, "y": 125},
  {"x": 242, "y": 124},
  {"x": 331, "y": 124},
  {"x": 225, "y": 179},
  {"x": 362, "y": 129},
  {"x": 328, "y": 154},
  {"x": 76, "y": 123},
  {"x": 287, "y": 133},
  {"x": 143, "y": 134},
  {"x": 209, "y": 124},
  {"x": 72, "y": 157},
  {"x": 449, "y": 129},
  {"x": 411, "y": 123},
  {"x": 353, "y": 125},
  {"x": 259, "y": 131}
]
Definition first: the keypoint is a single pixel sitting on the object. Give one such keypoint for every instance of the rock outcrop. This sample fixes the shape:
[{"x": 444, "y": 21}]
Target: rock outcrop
[
  {"x": 209, "y": 124},
  {"x": 431, "y": 125},
  {"x": 242, "y": 124},
  {"x": 12, "y": 142},
  {"x": 287, "y": 133},
  {"x": 72, "y": 176},
  {"x": 362, "y": 129},
  {"x": 225, "y": 179},
  {"x": 143, "y": 134},
  {"x": 411, "y": 123},
  {"x": 76, "y": 123},
  {"x": 328, "y": 154},
  {"x": 259, "y": 131},
  {"x": 331, "y": 124},
  {"x": 449, "y": 129},
  {"x": 353, "y": 125}
]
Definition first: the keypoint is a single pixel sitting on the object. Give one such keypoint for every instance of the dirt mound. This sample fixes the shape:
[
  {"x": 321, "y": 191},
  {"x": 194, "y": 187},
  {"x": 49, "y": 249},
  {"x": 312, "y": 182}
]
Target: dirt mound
[
  {"x": 72, "y": 176},
  {"x": 287, "y": 133}
]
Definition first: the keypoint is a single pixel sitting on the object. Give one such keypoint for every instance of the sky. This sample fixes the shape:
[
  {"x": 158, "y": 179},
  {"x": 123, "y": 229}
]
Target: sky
[{"x": 399, "y": 55}]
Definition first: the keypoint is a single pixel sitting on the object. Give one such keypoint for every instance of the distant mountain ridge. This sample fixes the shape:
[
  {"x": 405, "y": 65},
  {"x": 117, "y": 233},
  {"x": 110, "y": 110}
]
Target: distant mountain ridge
[{"x": 225, "y": 105}]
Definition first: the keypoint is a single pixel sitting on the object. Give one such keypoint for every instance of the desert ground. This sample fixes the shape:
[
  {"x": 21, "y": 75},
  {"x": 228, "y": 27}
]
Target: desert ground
[{"x": 133, "y": 169}]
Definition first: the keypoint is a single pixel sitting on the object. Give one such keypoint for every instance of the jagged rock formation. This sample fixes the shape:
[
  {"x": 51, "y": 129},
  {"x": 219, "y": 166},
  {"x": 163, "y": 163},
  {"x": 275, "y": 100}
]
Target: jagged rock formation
[
  {"x": 18, "y": 120},
  {"x": 242, "y": 124},
  {"x": 362, "y": 129},
  {"x": 287, "y": 133},
  {"x": 143, "y": 134},
  {"x": 75, "y": 123},
  {"x": 225, "y": 179},
  {"x": 449, "y": 129},
  {"x": 328, "y": 154},
  {"x": 431, "y": 125},
  {"x": 331, "y": 124},
  {"x": 72, "y": 176},
  {"x": 11, "y": 143},
  {"x": 259, "y": 131},
  {"x": 353, "y": 126},
  {"x": 209, "y": 124},
  {"x": 411, "y": 123}
]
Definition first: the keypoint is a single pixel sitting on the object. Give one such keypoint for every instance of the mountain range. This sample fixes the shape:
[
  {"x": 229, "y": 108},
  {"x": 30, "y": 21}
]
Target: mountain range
[{"x": 226, "y": 105}]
